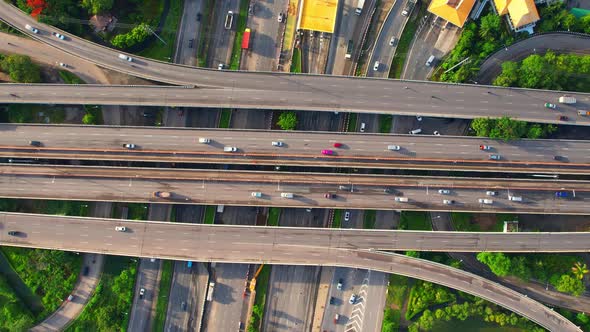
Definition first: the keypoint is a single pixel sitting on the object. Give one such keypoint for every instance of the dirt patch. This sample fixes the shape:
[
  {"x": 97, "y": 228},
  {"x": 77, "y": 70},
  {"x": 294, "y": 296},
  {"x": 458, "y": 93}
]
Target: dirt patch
[
  {"x": 124, "y": 79},
  {"x": 486, "y": 221},
  {"x": 551, "y": 223}
]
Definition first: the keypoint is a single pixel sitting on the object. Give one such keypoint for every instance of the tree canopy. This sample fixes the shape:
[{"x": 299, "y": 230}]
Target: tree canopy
[
  {"x": 97, "y": 6},
  {"x": 21, "y": 69},
  {"x": 287, "y": 121}
]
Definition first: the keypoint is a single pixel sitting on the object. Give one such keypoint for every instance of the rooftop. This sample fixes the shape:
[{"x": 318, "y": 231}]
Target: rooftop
[
  {"x": 318, "y": 15},
  {"x": 454, "y": 11}
]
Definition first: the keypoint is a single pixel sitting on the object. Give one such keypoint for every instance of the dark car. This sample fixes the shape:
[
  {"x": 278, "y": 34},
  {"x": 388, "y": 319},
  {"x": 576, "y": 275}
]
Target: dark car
[
  {"x": 183, "y": 305},
  {"x": 332, "y": 300},
  {"x": 148, "y": 115},
  {"x": 86, "y": 270},
  {"x": 35, "y": 143},
  {"x": 190, "y": 43},
  {"x": 13, "y": 233},
  {"x": 562, "y": 194},
  {"x": 558, "y": 158},
  {"x": 199, "y": 17},
  {"x": 563, "y": 118}
]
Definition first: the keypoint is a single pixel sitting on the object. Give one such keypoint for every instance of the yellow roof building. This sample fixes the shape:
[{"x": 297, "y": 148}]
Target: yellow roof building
[
  {"x": 521, "y": 12},
  {"x": 454, "y": 11},
  {"x": 318, "y": 15}
]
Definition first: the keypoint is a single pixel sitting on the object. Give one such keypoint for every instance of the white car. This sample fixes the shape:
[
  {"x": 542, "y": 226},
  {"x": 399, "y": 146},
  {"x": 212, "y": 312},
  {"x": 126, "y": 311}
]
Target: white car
[
  {"x": 277, "y": 143},
  {"x": 418, "y": 117},
  {"x": 353, "y": 299},
  {"x": 490, "y": 193},
  {"x": 376, "y": 66},
  {"x": 346, "y": 216},
  {"x": 32, "y": 29},
  {"x": 448, "y": 201},
  {"x": 204, "y": 140},
  {"x": 281, "y": 17},
  {"x": 393, "y": 147},
  {"x": 256, "y": 194},
  {"x": 405, "y": 12},
  {"x": 392, "y": 41},
  {"x": 63, "y": 64},
  {"x": 121, "y": 228},
  {"x": 130, "y": 146},
  {"x": 125, "y": 57},
  {"x": 141, "y": 293},
  {"x": 485, "y": 201},
  {"x": 436, "y": 133},
  {"x": 220, "y": 66},
  {"x": 59, "y": 35},
  {"x": 444, "y": 191}
]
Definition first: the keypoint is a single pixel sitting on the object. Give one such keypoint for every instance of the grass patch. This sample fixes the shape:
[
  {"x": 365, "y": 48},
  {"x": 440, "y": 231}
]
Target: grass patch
[
  {"x": 274, "y": 213},
  {"x": 70, "y": 78},
  {"x": 415, "y": 220},
  {"x": 296, "y": 61},
  {"x": 337, "y": 223},
  {"x": 209, "y": 214},
  {"x": 369, "y": 219},
  {"x": 290, "y": 28},
  {"x": 236, "y": 53},
  {"x": 29, "y": 113},
  {"x": 108, "y": 308},
  {"x": 205, "y": 30},
  {"x": 163, "y": 294},
  {"x": 14, "y": 315},
  {"x": 462, "y": 222},
  {"x": 397, "y": 289},
  {"x": 403, "y": 46},
  {"x": 224, "y": 118},
  {"x": 157, "y": 50},
  {"x": 95, "y": 112},
  {"x": 352, "y": 120},
  {"x": 385, "y": 123}
]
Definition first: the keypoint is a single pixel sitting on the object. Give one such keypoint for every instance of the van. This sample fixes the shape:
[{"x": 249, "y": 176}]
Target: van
[
  {"x": 515, "y": 198},
  {"x": 204, "y": 140},
  {"x": 363, "y": 126},
  {"x": 430, "y": 61},
  {"x": 125, "y": 57},
  {"x": 401, "y": 199},
  {"x": 287, "y": 195},
  {"x": 256, "y": 194},
  {"x": 415, "y": 131}
]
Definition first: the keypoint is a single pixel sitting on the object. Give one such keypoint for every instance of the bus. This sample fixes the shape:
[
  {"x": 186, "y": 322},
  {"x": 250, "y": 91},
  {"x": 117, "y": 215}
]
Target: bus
[{"x": 246, "y": 39}]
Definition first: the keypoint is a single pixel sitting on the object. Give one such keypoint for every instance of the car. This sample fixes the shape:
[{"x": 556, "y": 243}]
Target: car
[
  {"x": 328, "y": 152},
  {"x": 251, "y": 9},
  {"x": 418, "y": 117},
  {"x": 337, "y": 145},
  {"x": 392, "y": 41},
  {"x": 58, "y": 35},
  {"x": 277, "y": 143},
  {"x": 86, "y": 270},
  {"x": 563, "y": 118},
  {"x": 550, "y": 105},
  {"x": 495, "y": 157},
  {"x": 141, "y": 293},
  {"x": 363, "y": 127},
  {"x": 393, "y": 147},
  {"x": 558, "y": 158},
  {"x": 13, "y": 233},
  {"x": 125, "y": 57},
  {"x": 562, "y": 194},
  {"x": 344, "y": 187},
  {"x": 353, "y": 299},
  {"x": 485, "y": 201},
  {"x": 485, "y": 147},
  {"x": 405, "y": 12},
  {"x": 347, "y": 216},
  {"x": 120, "y": 228},
  {"x": 129, "y": 146},
  {"x": 436, "y": 133},
  {"x": 336, "y": 318},
  {"x": 329, "y": 196},
  {"x": 70, "y": 298},
  {"x": 388, "y": 191},
  {"x": 35, "y": 143},
  {"x": 332, "y": 300},
  {"x": 415, "y": 131},
  {"x": 190, "y": 43},
  {"x": 281, "y": 17},
  {"x": 444, "y": 191},
  {"x": 448, "y": 201},
  {"x": 340, "y": 284},
  {"x": 183, "y": 305},
  {"x": 199, "y": 16},
  {"x": 230, "y": 149},
  {"x": 491, "y": 193},
  {"x": 376, "y": 66},
  {"x": 32, "y": 29},
  {"x": 220, "y": 66},
  {"x": 148, "y": 115},
  {"x": 256, "y": 194},
  {"x": 204, "y": 140}
]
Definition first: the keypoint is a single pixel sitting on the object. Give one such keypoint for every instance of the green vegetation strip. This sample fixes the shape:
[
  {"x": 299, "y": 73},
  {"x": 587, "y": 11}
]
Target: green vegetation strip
[
  {"x": 164, "y": 52},
  {"x": 210, "y": 211},
  {"x": 236, "y": 53},
  {"x": 108, "y": 308},
  {"x": 369, "y": 219},
  {"x": 403, "y": 46},
  {"x": 260, "y": 299},
  {"x": 296, "y": 61},
  {"x": 396, "y": 295},
  {"x": 70, "y": 78},
  {"x": 337, "y": 223},
  {"x": 224, "y": 118},
  {"x": 413, "y": 220},
  {"x": 274, "y": 213},
  {"x": 352, "y": 122},
  {"x": 385, "y": 123},
  {"x": 163, "y": 296}
]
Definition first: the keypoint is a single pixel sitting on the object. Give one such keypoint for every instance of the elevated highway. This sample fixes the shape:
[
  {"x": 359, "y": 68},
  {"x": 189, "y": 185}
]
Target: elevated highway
[
  {"x": 181, "y": 145},
  {"x": 281, "y": 246},
  {"x": 258, "y": 90},
  {"x": 306, "y": 189}
]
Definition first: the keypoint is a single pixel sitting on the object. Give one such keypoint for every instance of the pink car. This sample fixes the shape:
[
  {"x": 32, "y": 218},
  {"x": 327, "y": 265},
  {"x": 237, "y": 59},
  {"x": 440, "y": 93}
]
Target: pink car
[{"x": 328, "y": 152}]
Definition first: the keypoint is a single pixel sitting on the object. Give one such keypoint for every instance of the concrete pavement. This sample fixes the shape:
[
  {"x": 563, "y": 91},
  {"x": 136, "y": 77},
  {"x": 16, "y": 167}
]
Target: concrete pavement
[{"x": 40, "y": 231}]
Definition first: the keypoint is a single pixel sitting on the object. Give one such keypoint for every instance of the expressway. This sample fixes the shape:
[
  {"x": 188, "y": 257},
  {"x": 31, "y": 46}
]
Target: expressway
[
  {"x": 180, "y": 145},
  {"x": 258, "y": 90},
  {"x": 280, "y": 246},
  {"x": 283, "y": 189}
]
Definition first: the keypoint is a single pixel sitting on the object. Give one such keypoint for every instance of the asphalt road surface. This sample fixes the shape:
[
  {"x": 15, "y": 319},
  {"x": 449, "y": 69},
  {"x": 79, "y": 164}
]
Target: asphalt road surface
[
  {"x": 280, "y": 91},
  {"x": 189, "y": 242},
  {"x": 213, "y": 187},
  {"x": 299, "y": 148}
]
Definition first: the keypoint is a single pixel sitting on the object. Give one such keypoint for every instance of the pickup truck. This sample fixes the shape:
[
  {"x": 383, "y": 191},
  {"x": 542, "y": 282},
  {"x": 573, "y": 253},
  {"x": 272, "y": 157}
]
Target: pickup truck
[{"x": 567, "y": 100}]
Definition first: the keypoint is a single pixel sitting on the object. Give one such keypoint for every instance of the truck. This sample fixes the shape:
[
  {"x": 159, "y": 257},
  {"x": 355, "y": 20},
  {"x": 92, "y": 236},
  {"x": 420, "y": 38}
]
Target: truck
[
  {"x": 162, "y": 194},
  {"x": 515, "y": 198},
  {"x": 349, "y": 50},
  {"x": 210, "y": 291},
  {"x": 359, "y": 7},
  {"x": 567, "y": 99},
  {"x": 583, "y": 113},
  {"x": 485, "y": 201},
  {"x": 246, "y": 39},
  {"x": 401, "y": 199},
  {"x": 229, "y": 19}
]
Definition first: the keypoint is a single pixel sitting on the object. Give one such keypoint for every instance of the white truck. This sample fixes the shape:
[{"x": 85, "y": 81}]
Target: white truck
[
  {"x": 359, "y": 7},
  {"x": 567, "y": 100},
  {"x": 401, "y": 199}
]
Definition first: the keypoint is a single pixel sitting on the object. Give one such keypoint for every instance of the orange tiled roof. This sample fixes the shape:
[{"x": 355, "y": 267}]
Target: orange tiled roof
[
  {"x": 454, "y": 11},
  {"x": 522, "y": 12}
]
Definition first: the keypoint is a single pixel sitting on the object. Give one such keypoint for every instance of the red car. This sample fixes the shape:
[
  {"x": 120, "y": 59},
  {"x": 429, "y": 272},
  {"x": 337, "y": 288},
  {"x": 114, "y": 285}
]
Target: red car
[
  {"x": 484, "y": 147},
  {"x": 328, "y": 152},
  {"x": 337, "y": 145},
  {"x": 563, "y": 118},
  {"x": 329, "y": 196}
]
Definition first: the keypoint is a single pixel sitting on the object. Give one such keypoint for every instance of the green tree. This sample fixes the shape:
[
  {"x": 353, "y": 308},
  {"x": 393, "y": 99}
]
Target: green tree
[
  {"x": 97, "y": 6},
  {"x": 583, "y": 318},
  {"x": 21, "y": 69},
  {"x": 411, "y": 253},
  {"x": 489, "y": 26},
  {"x": 496, "y": 261},
  {"x": 570, "y": 22},
  {"x": 482, "y": 126},
  {"x": 89, "y": 119},
  {"x": 507, "y": 129},
  {"x": 571, "y": 285},
  {"x": 509, "y": 75},
  {"x": 519, "y": 268},
  {"x": 287, "y": 120},
  {"x": 133, "y": 37}
]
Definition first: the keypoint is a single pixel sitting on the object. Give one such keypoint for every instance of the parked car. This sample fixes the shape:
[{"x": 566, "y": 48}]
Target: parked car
[
  {"x": 376, "y": 66},
  {"x": 336, "y": 318},
  {"x": 130, "y": 146},
  {"x": 550, "y": 105},
  {"x": 86, "y": 270},
  {"x": 353, "y": 299},
  {"x": 436, "y": 133},
  {"x": 495, "y": 157},
  {"x": 220, "y": 66},
  {"x": 347, "y": 216},
  {"x": 418, "y": 117},
  {"x": 337, "y": 145},
  {"x": 277, "y": 143},
  {"x": 328, "y": 152},
  {"x": 70, "y": 298},
  {"x": 392, "y": 41},
  {"x": 485, "y": 147},
  {"x": 281, "y": 17},
  {"x": 190, "y": 43},
  {"x": 340, "y": 284},
  {"x": 121, "y": 228},
  {"x": 58, "y": 35},
  {"x": 332, "y": 300},
  {"x": 444, "y": 191}
]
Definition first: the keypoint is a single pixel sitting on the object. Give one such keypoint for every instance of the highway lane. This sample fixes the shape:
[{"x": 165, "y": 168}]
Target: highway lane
[
  {"x": 193, "y": 242},
  {"x": 212, "y": 187},
  {"x": 300, "y": 148},
  {"x": 257, "y": 90}
]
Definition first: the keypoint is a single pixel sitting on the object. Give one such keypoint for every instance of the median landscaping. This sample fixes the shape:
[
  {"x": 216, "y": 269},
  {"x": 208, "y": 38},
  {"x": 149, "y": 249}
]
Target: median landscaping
[
  {"x": 163, "y": 295},
  {"x": 259, "y": 300},
  {"x": 236, "y": 53}
]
